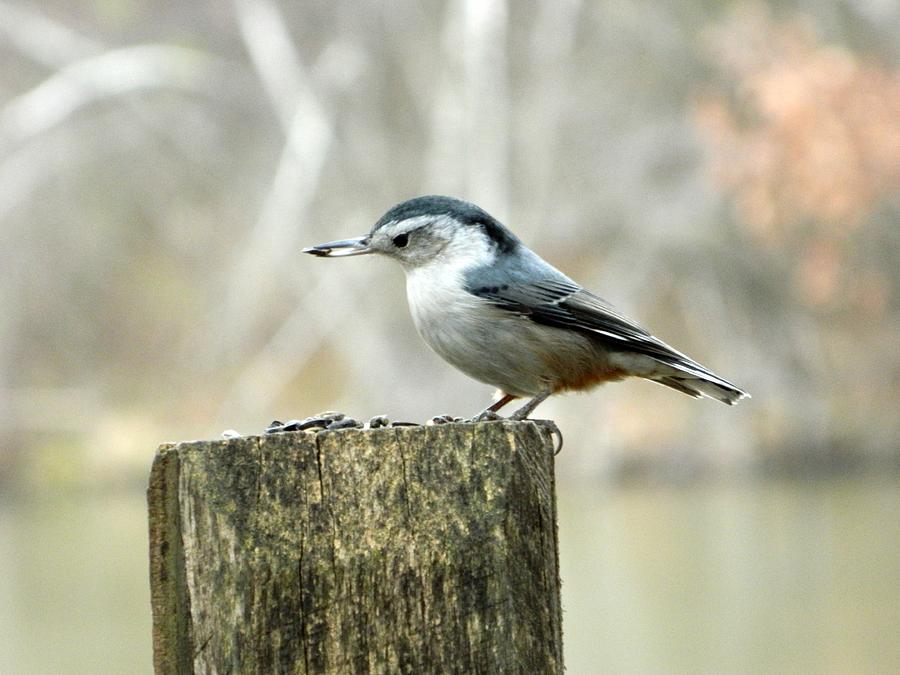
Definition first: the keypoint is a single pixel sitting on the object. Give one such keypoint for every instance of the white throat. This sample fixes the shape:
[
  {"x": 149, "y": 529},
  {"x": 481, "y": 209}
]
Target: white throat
[{"x": 438, "y": 286}]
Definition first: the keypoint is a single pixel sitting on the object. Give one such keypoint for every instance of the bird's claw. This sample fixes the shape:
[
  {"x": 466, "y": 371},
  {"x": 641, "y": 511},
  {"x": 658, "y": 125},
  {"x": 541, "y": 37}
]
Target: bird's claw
[
  {"x": 554, "y": 429},
  {"x": 488, "y": 416}
]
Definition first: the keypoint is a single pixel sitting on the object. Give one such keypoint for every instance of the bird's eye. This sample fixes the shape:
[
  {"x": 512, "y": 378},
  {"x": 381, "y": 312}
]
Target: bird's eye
[{"x": 401, "y": 240}]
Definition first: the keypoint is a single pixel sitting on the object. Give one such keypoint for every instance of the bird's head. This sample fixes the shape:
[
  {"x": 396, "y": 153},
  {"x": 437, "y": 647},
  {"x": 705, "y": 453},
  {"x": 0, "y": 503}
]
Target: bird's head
[{"x": 424, "y": 229}]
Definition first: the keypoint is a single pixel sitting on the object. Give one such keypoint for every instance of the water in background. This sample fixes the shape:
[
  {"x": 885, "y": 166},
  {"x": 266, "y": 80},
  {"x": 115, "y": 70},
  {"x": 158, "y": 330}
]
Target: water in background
[
  {"x": 74, "y": 587},
  {"x": 752, "y": 577},
  {"x": 763, "y": 577}
]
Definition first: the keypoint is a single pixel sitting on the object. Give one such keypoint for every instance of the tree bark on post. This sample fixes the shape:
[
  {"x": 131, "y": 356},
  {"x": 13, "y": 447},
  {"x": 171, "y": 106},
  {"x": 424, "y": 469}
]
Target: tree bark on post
[{"x": 394, "y": 550}]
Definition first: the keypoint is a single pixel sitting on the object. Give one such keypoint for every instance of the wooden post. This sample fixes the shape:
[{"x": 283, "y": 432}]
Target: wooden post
[{"x": 394, "y": 550}]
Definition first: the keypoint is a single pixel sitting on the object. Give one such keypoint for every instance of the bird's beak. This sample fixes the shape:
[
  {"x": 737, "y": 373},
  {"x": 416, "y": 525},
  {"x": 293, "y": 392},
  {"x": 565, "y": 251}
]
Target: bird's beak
[{"x": 341, "y": 248}]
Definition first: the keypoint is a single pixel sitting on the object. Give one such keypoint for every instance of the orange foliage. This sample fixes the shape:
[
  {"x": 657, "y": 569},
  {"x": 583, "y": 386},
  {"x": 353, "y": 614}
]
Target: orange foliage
[{"x": 806, "y": 138}]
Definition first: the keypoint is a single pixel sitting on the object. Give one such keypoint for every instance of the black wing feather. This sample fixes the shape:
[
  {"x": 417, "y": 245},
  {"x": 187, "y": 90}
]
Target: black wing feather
[{"x": 565, "y": 304}]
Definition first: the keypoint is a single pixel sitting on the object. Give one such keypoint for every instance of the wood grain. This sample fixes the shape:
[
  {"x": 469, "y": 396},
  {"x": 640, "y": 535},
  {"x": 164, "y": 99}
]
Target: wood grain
[{"x": 395, "y": 550}]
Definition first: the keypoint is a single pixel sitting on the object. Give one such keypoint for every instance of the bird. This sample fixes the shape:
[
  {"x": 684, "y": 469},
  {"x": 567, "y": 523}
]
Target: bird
[{"x": 494, "y": 309}]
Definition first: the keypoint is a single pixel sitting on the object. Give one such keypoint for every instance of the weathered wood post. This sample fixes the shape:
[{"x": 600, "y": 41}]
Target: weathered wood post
[{"x": 394, "y": 550}]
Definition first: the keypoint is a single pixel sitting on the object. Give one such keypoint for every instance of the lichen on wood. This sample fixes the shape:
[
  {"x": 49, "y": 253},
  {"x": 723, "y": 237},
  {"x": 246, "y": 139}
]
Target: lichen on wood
[{"x": 393, "y": 550}]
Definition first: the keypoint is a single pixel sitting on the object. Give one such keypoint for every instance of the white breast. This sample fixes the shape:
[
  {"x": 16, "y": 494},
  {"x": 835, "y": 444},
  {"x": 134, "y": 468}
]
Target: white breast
[
  {"x": 448, "y": 317},
  {"x": 441, "y": 307},
  {"x": 486, "y": 343}
]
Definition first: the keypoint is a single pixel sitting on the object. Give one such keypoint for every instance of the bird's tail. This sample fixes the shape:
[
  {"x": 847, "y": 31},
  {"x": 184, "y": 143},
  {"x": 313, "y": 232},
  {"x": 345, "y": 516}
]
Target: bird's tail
[
  {"x": 699, "y": 386},
  {"x": 655, "y": 360}
]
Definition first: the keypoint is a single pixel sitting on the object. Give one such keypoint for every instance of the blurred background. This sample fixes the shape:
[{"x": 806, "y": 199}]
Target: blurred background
[{"x": 726, "y": 172}]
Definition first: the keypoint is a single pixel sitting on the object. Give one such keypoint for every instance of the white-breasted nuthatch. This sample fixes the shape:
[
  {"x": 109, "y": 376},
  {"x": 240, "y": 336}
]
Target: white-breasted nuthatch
[{"x": 497, "y": 311}]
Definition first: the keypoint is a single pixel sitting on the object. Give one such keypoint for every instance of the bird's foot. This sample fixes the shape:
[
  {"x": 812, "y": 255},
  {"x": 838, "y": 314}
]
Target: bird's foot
[
  {"x": 551, "y": 425},
  {"x": 490, "y": 413},
  {"x": 487, "y": 416},
  {"x": 523, "y": 412}
]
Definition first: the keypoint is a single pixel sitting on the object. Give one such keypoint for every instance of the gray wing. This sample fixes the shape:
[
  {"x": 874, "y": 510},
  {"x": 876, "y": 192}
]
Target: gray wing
[{"x": 562, "y": 303}]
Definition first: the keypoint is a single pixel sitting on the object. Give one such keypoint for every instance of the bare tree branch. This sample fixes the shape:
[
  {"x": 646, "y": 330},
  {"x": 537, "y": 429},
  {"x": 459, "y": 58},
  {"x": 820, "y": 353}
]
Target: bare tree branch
[
  {"x": 110, "y": 74},
  {"x": 42, "y": 39},
  {"x": 274, "y": 238}
]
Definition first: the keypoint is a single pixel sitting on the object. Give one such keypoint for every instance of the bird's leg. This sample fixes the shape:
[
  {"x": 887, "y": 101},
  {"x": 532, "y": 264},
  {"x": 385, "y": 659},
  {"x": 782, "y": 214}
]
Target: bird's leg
[
  {"x": 523, "y": 412},
  {"x": 500, "y": 402},
  {"x": 490, "y": 413}
]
